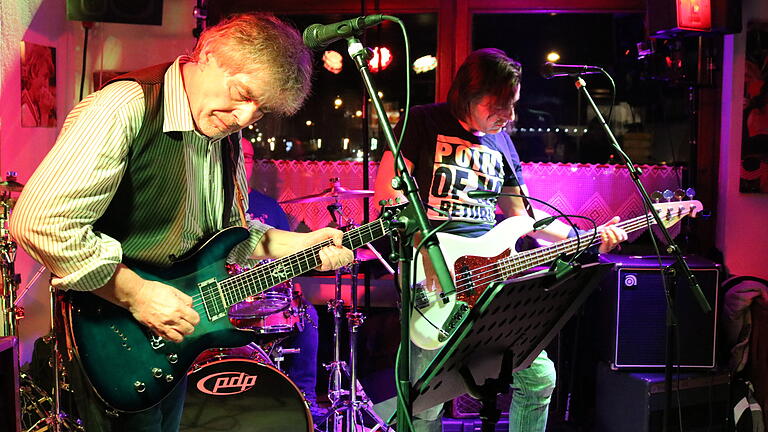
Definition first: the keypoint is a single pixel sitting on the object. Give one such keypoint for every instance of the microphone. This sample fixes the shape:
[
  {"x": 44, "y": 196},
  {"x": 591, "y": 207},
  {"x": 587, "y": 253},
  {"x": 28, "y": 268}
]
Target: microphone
[
  {"x": 551, "y": 70},
  {"x": 317, "y": 36}
]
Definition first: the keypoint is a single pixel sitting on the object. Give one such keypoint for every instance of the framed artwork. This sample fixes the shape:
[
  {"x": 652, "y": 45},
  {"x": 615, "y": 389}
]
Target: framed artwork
[
  {"x": 38, "y": 85},
  {"x": 754, "y": 143}
]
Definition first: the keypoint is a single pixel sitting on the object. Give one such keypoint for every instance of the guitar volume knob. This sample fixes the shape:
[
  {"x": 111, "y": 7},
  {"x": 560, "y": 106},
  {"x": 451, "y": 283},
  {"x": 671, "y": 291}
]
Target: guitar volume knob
[
  {"x": 157, "y": 372},
  {"x": 173, "y": 358},
  {"x": 139, "y": 386}
]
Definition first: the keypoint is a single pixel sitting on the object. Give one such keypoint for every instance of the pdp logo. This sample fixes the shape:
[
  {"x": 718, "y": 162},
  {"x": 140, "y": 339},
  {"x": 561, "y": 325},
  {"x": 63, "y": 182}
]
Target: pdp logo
[{"x": 630, "y": 280}]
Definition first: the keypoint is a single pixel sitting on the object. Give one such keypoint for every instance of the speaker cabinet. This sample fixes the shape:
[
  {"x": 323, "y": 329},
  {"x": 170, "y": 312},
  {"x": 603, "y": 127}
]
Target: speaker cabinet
[
  {"x": 116, "y": 11},
  {"x": 10, "y": 408},
  {"x": 634, "y": 313},
  {"x": 634, "y": 402}
]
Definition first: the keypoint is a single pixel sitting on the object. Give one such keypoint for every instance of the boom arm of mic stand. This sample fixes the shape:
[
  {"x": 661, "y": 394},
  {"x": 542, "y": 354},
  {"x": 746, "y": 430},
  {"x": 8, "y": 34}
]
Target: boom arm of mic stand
[
  {"x": 672, "y": 248},
  {"x": 358, "y": 53}
]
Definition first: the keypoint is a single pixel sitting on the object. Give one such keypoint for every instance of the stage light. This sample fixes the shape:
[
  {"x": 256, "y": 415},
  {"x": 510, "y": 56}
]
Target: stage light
[
  {"x": 332, "y": 61},
  {"x": 337, "y": 102},
  {"x": 309, "y": 123},
  {"x": 424, "y": 64},
  {"x": 380, "y": 59},
  {"x": 553, "y": 57}
]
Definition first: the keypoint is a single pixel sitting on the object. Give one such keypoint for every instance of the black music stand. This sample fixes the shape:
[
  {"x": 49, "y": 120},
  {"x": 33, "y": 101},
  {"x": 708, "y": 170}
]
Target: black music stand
[{"x": 510, "y": 324}]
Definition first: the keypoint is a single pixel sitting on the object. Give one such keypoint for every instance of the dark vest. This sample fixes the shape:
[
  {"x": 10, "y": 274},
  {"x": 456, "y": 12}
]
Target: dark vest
[{"x": 155, "y": 176}]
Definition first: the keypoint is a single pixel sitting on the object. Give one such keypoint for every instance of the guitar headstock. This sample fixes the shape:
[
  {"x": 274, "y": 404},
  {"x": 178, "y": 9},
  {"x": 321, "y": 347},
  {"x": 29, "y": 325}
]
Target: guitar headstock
[{"x": 671, "y": 212}]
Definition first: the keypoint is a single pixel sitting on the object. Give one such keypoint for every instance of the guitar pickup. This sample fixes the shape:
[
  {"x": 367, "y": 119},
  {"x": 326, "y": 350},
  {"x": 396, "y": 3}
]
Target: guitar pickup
[{"x": 444, "y": 298}]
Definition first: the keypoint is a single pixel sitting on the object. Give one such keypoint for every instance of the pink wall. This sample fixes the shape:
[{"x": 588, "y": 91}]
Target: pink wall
[
  {"x": 120, "y": 47},
  {"x": 742, "y": 219}
]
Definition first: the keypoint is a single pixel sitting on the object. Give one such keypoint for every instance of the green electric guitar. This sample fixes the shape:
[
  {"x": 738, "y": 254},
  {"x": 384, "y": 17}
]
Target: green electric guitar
[{"x": 130, "y": 368}]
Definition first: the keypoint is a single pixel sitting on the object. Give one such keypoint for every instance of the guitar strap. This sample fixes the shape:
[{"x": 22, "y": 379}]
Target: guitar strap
[{"x": 229, "y": 153}]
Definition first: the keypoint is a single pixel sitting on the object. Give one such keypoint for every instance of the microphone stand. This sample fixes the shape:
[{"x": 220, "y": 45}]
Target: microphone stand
[
  {"x": 672, "y": 249},
  {"x": 407, "y": 184}
]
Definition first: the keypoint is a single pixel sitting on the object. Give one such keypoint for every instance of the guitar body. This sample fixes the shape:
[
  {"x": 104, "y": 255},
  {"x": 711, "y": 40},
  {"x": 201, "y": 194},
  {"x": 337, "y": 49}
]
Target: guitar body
[
  {"x": 131, "y": 369},
  {"x": 432, "y": 323},
  {"x": 128, "y": 367},
  {"x": 476, "y": 262}
]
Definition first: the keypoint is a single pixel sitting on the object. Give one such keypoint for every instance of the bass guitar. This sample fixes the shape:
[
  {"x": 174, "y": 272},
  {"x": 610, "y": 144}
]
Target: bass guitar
[
  {"x": 130, "y": 368},
  {"x": 476, "y": 262}
]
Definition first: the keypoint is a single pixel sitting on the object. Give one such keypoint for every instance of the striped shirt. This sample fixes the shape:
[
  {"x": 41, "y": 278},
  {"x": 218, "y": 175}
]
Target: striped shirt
[{"x": 74, "y": 185}]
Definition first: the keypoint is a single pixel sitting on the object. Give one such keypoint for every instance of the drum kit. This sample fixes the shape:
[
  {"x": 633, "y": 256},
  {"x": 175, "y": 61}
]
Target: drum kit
[
  {"x": 222, "y": 385},
  {"x": 274, "y": 315},
  {"x": 40, "y": 408}
]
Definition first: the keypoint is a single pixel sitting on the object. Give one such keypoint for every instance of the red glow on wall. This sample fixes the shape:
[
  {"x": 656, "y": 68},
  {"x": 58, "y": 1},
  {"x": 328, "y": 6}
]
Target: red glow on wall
[{"x": 694, "y": 15}]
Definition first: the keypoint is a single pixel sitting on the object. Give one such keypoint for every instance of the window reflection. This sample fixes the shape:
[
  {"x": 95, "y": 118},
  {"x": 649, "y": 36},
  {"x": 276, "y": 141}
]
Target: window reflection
[
  {"x": 331, "y": 125},
  {"x": 650, "y": 117}
]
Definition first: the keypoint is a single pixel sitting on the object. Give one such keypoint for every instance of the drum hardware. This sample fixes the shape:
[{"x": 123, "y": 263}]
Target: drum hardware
[
  {"x": 40, "y": 411},
  {"x": 278, "y": 354},
  {"x": 10, "y": 280},
  {"x": 348, "y": 407}
]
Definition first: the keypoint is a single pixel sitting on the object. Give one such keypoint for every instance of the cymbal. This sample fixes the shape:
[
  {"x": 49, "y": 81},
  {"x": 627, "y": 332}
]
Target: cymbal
[
  {"x": 333, "y": 193},
  {"x": 11, "y": 185}
]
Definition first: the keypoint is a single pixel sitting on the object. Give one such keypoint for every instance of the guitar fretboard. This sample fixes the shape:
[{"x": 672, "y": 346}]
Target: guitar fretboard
[
  {"x": 219, "y": 296},
  {"x": 512, "y": 265}
]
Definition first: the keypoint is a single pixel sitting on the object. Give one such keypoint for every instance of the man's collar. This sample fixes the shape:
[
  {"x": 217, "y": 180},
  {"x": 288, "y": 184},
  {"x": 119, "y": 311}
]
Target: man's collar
[{"x": 176, "y": 111}]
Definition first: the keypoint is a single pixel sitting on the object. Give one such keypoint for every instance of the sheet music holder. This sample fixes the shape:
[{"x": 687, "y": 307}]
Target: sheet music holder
[{"x": 513, "y": 319}]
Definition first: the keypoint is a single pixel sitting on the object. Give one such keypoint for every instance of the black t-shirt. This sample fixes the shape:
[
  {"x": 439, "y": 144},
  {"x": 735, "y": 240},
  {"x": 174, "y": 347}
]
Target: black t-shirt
[{"x": 450, "y": 161}]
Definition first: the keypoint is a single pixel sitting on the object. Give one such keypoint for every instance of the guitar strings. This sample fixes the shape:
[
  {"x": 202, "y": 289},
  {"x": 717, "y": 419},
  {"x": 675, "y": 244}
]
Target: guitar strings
[
  {"x": 490, "y": 270},
  {"x": 235, "y": 286}
]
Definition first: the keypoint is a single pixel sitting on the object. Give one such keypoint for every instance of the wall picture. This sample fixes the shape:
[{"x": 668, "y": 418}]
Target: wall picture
[{"x": 38, "y": 85}]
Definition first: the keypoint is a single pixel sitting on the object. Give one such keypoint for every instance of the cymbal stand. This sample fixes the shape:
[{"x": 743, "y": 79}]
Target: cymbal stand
[
  {"x": 10, "y": 280},
  {"x": 348, "y": 406}
]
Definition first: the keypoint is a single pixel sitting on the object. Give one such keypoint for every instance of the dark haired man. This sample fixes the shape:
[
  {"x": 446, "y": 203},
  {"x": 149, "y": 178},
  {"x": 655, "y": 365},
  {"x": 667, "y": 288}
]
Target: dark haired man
[{"x": 461, "y": 146}]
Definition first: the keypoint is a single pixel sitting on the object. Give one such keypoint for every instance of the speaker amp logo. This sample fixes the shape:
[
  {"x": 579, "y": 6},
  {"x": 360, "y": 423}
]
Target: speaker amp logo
[
  {"x": 226, "y": 383},
  {"x": 630, "y": 280}
]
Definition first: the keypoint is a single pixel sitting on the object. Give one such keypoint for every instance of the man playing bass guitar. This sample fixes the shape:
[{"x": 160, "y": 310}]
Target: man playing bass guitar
[{"x": 460, "y": 146}]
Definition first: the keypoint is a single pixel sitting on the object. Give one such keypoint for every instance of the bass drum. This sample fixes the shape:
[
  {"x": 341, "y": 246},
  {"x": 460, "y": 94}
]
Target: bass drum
[{"x": 238, "y": 390}]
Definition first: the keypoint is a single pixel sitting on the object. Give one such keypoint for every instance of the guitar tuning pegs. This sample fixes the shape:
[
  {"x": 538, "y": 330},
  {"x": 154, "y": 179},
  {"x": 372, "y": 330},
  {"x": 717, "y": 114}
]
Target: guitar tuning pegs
[
  {"x": 668, "y": 195},
  {"x": 656, "y": 196},
  {"x": 679, "y": 194},
  {"x": 690, "y": 193}
]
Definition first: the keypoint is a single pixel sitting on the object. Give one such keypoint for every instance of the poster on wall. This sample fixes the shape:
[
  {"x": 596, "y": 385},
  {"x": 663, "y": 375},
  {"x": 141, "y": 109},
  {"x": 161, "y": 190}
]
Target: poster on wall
[
  {"x": 38, "y": 85},
  {"x": 754, "y": 143}
]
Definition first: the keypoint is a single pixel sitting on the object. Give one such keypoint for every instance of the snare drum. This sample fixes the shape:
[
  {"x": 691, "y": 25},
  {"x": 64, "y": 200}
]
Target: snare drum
[
  {"x": 238, "y": 390},
  {"x": 264, "y": 303},
  {"x": 245, "y": 315}
]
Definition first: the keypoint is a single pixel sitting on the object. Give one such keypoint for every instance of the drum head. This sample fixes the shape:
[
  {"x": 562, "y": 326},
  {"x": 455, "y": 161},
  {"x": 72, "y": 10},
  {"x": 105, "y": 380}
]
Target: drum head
[
  {"x": 237, "y": 394},
  {"x": 263, "y": 304}
]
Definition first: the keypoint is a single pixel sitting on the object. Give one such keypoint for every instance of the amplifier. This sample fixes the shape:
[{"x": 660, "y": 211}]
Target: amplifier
[
  {"x": 634, "y": 313},
  {"x": 634, "y": 401},
  {"x": 10, "y": 407}
]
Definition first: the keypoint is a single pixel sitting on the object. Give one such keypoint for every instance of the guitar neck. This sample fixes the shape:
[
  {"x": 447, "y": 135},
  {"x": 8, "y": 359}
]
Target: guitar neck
[
  {"x": 239, "y": 287},
  {"x": 544, "y": 255}
]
